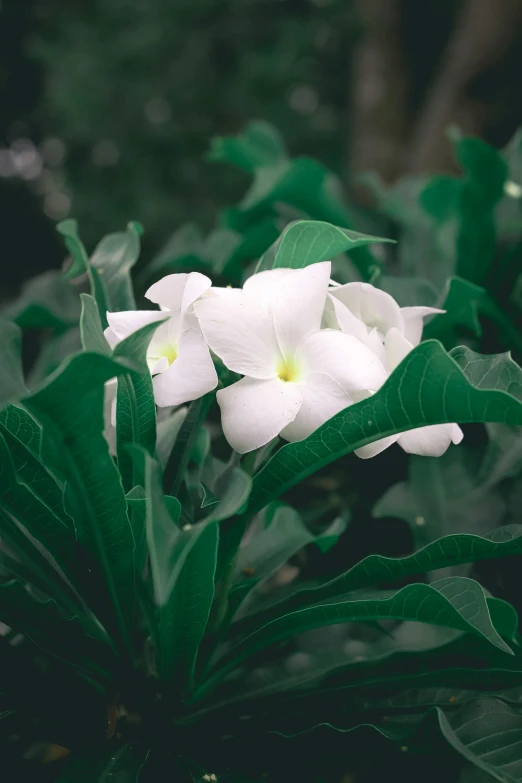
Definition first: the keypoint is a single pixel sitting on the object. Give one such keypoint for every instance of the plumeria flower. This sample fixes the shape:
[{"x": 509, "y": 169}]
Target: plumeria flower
[
  {"x": 177, "y": 355},
  {"x": 391, "y": 331},
  {"x": 297, "y": 375}
]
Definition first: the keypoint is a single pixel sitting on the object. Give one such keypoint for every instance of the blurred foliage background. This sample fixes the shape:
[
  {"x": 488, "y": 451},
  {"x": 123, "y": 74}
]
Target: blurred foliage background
[{"x": 108, "y": 108}]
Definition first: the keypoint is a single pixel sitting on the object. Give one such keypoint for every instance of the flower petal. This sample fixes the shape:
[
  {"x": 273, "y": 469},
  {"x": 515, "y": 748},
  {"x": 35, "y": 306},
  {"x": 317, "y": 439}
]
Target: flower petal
[
  {"x": 322, "y": 398},
  {"x": 298, "y": 308},
  {"x": 264, "y": 287},
  {"x": 125, "y": 323},
  {"x": 344, "y": 358},
  {"x": 110, "y": 336},
  {"x": 431, "y": 441},
  {"x": 240, "y": 333},
  {"x": 371, "y": 305},
  {"x": 255, "y": 411},
  {"x": 190, "y": 376},
  {"x": 372, "y": 449},
  {"x": 177, "y": 292},
  {"x": 413, "y": 321},
  {"x": 397, "y": 347}
]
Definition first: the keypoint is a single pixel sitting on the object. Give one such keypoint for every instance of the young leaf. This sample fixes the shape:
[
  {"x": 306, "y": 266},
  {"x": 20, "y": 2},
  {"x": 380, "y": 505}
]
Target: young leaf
[
  {"x": 429, "y": 386},
  {"x": 107, "y": 763},
  {"x": 70, "y": 408},
  {"x": 81, "y": 266},
  {"x": 113, "y": 258},
  {"x": 12, "y": 384},
  {"x": 307, "y": 242},
  {"x": 455, "y": 602}
]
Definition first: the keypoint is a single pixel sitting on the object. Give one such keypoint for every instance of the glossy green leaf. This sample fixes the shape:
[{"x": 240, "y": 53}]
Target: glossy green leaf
[
  {"x": 311, "y": 241},
  {"x": 81, "y": 266},
  {"x": 12, "y": 384},
  {"x": 488, "y": 733},
  {"x": 443, "y": 495},
  {"x": 430, "y": 386},
  {"x": 448, "y": 551},
  {"x": 46, "y": 301},
  {"x": 91, "y": 328},
  {"x": 135, "y": 406},
  {"x": 22, "y": 426},
  {"x": 232, "y": 494},
  {"x": 113, "y": 259},
  {"x": 455, "y": 602},
  {"x": 70, "y": 408},
  {"x": 462, "y": 301},
  {"x": 107, "y": 763}
]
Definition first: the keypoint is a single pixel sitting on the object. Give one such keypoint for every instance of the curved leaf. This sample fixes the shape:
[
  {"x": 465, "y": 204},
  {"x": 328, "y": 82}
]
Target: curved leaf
[
  {"x": 12, "y": 385},
  {"x": 455, "y": 602},
  {"x": 375, "y": 569},
  {"x": 429, "y": 386},
  {"x": 70, "y": 408},
  {"x": 114, "y": 257},
  {"x": 488, "y": 733},
  {"x": 307, "y": 242},
  {"x": 105, "y": 764},
  {"x": 91, "y": 328}
]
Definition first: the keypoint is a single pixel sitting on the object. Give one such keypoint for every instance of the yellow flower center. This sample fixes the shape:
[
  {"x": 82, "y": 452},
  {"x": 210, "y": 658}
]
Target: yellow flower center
[
  {"x": 166, "y": 351},
  {"x": 288, "y": 371}
]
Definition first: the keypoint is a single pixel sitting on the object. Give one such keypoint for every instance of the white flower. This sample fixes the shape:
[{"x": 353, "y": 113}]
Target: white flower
[
  {"x": 177, "y": 355},
  {"x": 297, "y": 375},
  {"x": 392, "y": 332}
]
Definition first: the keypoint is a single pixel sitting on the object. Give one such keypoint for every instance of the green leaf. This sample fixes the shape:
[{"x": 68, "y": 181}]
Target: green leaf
[
  {"x": 91, "y": 328},
  {"x": 70, "y": 408},
  {"x": 113, "y": 258},
  {"x": 307, "y": 242},
  {"x": 168, "y": 429},
  {"x": 258, "y": 146},
  {"x": 107, "y": 763},
  {"x": 443, "y": 495},
  {"x": 462, "y": 301},
  {"x": 503, "y": 458},
  {"x": 408, "y": 291},
  {"x": 80, "y": 265},
  {"x": 23, "y": 427},
  {"x": 429, "y": 386},
  {"x": 488, "y": 733},
  {"x": 42, "y": 622},
  {"x": 232, "y": 496},
  {"x": 12, "y": 384},
  {"x": 455, "y": 602},
  {"x": 135, "y": 406},
  {"x": 183, "y": 564},
  {"x": 377, "y": 569},
  {"x": 180, "y": 455},
  {"x": 46, "y": 301}
]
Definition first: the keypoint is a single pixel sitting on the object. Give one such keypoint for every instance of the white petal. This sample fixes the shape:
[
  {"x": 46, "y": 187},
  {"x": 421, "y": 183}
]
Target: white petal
[
  {"x": 344, "y": 319},
  {"x": 196, "y": 285},
  {"x": 431, "y": 441},
  {"x": 190, "y": 376},
  {"x": 110, "y": 336},
  {"x": 373, "y": 306},
  {"x": 456, "y": 434},
  {"x": 372, "y": 449},
  {"x": 253, "y": 411},
  {"x": 240, "y": 333},
  {"x": 344, "y": 358},
  {"x": 322, "y": 398},
  {"x": 413, "y": 321},
  {"x": 168, "y": 292},
  {"x": 265, "y": 286},
  {"x": 397, "y": 348},
  {"x": 298, "y": 308},
  {"x": 125, "y": 323}
]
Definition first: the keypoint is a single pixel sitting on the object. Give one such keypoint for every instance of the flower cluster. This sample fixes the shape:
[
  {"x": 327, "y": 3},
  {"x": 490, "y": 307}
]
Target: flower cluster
[{"x": 306, "y": 347}]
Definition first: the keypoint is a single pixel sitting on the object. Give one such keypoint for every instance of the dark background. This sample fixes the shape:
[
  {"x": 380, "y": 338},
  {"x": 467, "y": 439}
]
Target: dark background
[{"x": 107, "y": 108}]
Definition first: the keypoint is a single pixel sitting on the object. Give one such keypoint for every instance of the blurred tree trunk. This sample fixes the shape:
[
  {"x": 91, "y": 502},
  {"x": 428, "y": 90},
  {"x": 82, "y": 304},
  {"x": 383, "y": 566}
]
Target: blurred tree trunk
[{"x": 420, "y": 67}]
